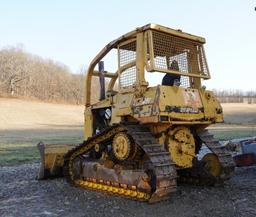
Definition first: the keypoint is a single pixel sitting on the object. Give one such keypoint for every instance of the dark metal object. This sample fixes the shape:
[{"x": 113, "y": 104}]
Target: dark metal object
[
  {"x": 102, "y": 80},
  {"x": 248, "y": 155},
  {"x": 245, "y": 160},
  {"x": 179, "y": 109},
  {"x": 248, "y": 146}
]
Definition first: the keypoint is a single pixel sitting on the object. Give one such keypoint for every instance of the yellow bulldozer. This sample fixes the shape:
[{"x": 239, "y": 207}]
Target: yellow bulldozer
[{"x": 141, "y": 139}]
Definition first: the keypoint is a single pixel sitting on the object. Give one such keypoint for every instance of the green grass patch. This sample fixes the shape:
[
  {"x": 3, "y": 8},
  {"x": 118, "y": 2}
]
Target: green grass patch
[
  {"x": 15, "y": 152},
  {"x": 234, "y": 133},
  {"x": 23, "y": 149}
]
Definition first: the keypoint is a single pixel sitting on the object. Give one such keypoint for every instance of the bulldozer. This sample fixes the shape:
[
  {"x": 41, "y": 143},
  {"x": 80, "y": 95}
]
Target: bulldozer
[{"x": 140, "y": 140}]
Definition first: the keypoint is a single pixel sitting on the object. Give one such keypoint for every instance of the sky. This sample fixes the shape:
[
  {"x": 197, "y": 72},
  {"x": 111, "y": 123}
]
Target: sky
[{"x": 73, "y": 32}]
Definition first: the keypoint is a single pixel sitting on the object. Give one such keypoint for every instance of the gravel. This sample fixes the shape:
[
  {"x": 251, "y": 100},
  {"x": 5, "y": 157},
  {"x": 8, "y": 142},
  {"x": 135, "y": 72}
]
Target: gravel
[{"x": 22, "y": 195}]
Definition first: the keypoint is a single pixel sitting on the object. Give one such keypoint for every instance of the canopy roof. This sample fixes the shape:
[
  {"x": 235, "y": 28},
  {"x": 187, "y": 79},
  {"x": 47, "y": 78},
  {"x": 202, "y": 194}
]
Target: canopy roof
[{"x": 132, "y": 34}]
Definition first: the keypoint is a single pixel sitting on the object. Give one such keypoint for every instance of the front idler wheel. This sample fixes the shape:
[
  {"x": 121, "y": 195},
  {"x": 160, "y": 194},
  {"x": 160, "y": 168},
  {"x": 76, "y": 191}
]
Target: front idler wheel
[{"x": 212, "y": 165}]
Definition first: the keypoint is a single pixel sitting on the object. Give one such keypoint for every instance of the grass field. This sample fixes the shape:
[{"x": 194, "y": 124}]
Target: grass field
[
  {"x": 22, "y": 147},
  {"x": 233, "y": 132},
  {"x": 240, "y": 121},
  {"x": 24, "y": 123}
]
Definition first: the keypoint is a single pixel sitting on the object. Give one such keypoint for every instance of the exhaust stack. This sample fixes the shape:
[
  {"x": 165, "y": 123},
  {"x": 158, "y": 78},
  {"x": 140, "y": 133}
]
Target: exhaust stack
[{"x": 102, "y": 80}]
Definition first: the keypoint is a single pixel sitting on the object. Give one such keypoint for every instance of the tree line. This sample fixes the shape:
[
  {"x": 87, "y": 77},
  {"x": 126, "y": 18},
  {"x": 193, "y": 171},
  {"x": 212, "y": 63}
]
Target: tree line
[
  {"x": 26, "y": 75},
  {"x": 235, "y": 96}
]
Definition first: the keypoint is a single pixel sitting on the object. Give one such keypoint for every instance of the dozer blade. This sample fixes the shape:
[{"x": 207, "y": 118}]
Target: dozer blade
[{"x": 52, "y": 159}]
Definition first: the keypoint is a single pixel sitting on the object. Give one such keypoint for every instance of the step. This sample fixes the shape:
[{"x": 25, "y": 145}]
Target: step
[
  {"x": 158, "y": 153},
  {"x": 153, "y": 145},
  {"x": 164, "y": 164}
]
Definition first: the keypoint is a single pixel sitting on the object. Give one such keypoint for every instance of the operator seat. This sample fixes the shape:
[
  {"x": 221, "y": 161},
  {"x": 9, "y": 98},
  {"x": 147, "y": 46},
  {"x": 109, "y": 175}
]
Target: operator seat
[{"x": 168, "y": 79}]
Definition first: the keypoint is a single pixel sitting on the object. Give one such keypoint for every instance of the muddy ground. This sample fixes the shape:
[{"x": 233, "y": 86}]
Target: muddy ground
[{"x": 22, "y": 195}]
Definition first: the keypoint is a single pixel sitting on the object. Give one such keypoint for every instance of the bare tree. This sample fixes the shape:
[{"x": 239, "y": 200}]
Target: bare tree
[{"x": 26, "y": 75}]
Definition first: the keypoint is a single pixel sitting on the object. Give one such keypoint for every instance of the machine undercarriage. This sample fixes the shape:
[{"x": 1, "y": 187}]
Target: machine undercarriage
[{"x": 145, "y": 173}]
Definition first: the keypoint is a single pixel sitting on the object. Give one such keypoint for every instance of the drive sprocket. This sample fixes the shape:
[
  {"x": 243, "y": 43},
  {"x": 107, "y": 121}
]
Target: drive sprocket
[{"x": 181, "y": 145}]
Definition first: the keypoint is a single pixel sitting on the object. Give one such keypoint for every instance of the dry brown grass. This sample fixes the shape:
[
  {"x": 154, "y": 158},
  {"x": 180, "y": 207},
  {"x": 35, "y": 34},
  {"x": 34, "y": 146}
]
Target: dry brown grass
[
  {"x": 24, "y": 123},
  {"x": 239, "y": 113},
  {"x": 22, "y": 114}
]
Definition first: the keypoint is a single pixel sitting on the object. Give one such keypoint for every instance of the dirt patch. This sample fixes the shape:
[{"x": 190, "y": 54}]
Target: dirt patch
[{"x": 22, "y": 195}]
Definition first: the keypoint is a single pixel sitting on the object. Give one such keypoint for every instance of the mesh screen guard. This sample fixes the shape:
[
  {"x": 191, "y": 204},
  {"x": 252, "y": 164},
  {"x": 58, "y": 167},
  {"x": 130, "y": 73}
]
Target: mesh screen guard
[
  {"x": 127, "y": 55},
  {"x": 178, "y": 54},
  {"x": 164, "y": 53}
]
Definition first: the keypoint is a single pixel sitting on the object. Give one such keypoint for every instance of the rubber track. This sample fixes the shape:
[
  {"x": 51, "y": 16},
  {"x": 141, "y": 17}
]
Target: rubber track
[{"x": 163, "y": 169}]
